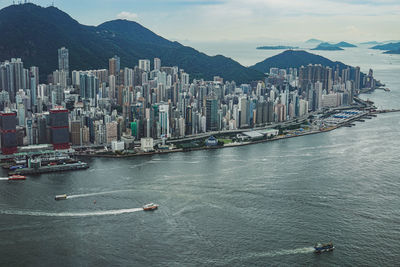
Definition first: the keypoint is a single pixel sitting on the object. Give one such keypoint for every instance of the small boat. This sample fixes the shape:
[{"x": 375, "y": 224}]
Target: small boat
[
  {"x": 319, "y": 247},
  {"x": 16, "y": 177},
  {"x": 150, "y": 206},
  {"x": 61, "y": 197},
  {"x": 16, "y": 167}
]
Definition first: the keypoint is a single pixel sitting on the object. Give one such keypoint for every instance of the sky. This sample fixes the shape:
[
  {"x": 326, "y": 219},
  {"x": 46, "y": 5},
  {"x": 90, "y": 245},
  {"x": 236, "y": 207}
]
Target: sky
[{"x": 277, "y": 21}]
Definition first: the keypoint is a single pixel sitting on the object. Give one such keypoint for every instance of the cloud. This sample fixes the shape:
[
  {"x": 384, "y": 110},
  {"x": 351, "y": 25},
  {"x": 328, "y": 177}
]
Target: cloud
[{"x": 127, "y": 15}]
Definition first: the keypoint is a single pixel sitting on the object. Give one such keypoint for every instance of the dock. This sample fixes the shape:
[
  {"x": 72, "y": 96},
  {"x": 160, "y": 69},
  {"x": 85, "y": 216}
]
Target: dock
[{"x": 51, "y": 168}]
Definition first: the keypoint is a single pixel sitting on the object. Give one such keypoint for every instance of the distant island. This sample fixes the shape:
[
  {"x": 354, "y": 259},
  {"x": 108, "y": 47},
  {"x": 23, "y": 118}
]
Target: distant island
[
  {"x": 395, "y": 51},
  {"x": 345, "y": 44},
  {"x": 276, "y": 47},
  {"x": 389, "y": 46},
  {"x": 328, "y": 47},
  {"x": 313, "y": 41},
  {"x": 371, "y": 43}
]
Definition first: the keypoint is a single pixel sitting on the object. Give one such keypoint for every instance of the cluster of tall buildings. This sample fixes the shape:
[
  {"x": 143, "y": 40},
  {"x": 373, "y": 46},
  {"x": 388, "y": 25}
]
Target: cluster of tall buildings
[{"x": 85, "y": 107}]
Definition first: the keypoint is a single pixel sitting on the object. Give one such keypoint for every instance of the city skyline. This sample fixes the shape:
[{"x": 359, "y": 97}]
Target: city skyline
[
  {"x": 104, "y": 106},
  {"x": 238, "y": 20}
]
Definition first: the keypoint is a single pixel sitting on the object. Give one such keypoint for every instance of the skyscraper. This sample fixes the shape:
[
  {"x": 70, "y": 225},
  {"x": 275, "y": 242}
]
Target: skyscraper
[
  {"x": 211, "y": 114},
  {"x": 8, "y": 132},
  {"x": 59, "y": 128},
  {"x": 111, "y": 88},
  {"x": 164, "y": 119},
  {"x": 157, "y": 63},
  {"x": 144, "y": 64},
  {"x": 63, "y": 63},
  {"x": 244, "y": 114},
  {"x": 114, "y": 65},
  {"x": 63, "y": 59}
]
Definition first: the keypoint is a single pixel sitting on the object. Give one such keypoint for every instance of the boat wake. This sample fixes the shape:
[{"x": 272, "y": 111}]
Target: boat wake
[
  {"x": 70, "y": 214},
  {"x": 284, "y": 252},
  {"x": 3, "y": 179},
  {"x": 98, "y": 193}
]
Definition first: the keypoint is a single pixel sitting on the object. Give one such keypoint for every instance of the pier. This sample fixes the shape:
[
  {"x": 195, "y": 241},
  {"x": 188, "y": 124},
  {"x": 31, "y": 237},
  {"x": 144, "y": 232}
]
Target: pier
[{"x": 51, "y": 168}]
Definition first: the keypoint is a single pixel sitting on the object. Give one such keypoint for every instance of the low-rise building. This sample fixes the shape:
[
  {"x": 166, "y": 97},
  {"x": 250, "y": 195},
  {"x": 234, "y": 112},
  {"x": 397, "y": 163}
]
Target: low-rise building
[
  {"x": 117, "y": 146},
  {"x": 147, "y": 144}
]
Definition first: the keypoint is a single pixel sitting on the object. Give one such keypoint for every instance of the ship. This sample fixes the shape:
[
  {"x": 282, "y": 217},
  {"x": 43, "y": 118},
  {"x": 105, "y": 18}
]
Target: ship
[
  {"x": 61, "y": 197},
  {"x": 16, "y": 177},
  {"x": 320, "y": 247},
  {"x": 150, "y": 207}
]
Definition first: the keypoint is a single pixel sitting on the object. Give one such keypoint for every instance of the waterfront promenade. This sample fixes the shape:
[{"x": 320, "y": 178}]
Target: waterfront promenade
[{"x": 288, "y": 134}]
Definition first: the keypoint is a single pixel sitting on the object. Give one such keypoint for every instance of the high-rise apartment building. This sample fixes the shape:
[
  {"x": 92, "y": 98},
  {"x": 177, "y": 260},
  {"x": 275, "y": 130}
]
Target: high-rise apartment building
[
  {"x": 157, "y": 64},
  {"x": 144, "y": 64},
  {"x": 114, "y": 65},
  {"x": 63, "y": 59}
]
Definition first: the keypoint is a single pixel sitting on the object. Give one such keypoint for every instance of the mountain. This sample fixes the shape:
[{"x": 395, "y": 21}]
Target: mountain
[
  {"x": 313, "y": 41},
  {"x": 345, "y": 44},
  {"x": 42, "y": 31},
  {"x": 389, "y": 46},
  {"x": 327, "y": 46},
  {"x": 295, "y": 59}
]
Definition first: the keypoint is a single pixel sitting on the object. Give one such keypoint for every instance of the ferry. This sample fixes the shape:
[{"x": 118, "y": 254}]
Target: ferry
[
  {"x": 61, "y": 197},
  {"x": 150, "y": 206},
  {"x": 319, "y": 247},
  {"x": 16, "y": 177}
]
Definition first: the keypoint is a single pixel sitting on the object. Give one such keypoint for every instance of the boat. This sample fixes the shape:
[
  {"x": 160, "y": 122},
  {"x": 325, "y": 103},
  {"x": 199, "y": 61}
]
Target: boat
[
  {"x": 16, "y": 177},
  {"x": 16, "y": 167},
  {"x": 320, "y": 247},
  {"x": 150, "y": 206},
  {"x": 61, "y": 197}
]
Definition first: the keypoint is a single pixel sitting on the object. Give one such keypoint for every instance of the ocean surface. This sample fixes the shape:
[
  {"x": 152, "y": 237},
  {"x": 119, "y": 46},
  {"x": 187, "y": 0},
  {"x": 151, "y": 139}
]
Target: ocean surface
[{"x": 259, "y": 205}]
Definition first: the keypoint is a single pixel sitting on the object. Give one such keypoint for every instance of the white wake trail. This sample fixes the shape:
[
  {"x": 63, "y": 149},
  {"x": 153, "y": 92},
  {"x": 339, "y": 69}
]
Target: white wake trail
[
  {"x": 98, "y": 193},
  {"x": 70, "y": 214},
  {"x": 3, "y": 179},
  {"x": 304, "y": 250}
]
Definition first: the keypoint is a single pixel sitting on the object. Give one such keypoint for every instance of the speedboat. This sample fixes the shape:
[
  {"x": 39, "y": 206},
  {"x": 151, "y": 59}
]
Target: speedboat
[
  {"x": 150, "y": 206},
  {"x": 319, "y": 247},
  {"x": 16, "y": 177},
  {"x": 61, "y": 197}
]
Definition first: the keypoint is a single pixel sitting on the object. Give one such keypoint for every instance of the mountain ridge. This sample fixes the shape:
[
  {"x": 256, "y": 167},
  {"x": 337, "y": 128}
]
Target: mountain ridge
[{"x": 44, "y": 30}]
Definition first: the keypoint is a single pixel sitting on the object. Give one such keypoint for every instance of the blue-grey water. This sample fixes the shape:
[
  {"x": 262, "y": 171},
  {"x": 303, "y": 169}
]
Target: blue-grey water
[{"x": 262, "y": 205}]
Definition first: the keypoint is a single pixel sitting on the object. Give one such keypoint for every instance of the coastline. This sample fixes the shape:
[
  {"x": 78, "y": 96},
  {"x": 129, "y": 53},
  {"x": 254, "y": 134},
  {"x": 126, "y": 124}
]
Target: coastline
[
  {"x": 280, "y": 137},
  {"x": 277, "y": 138}
]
